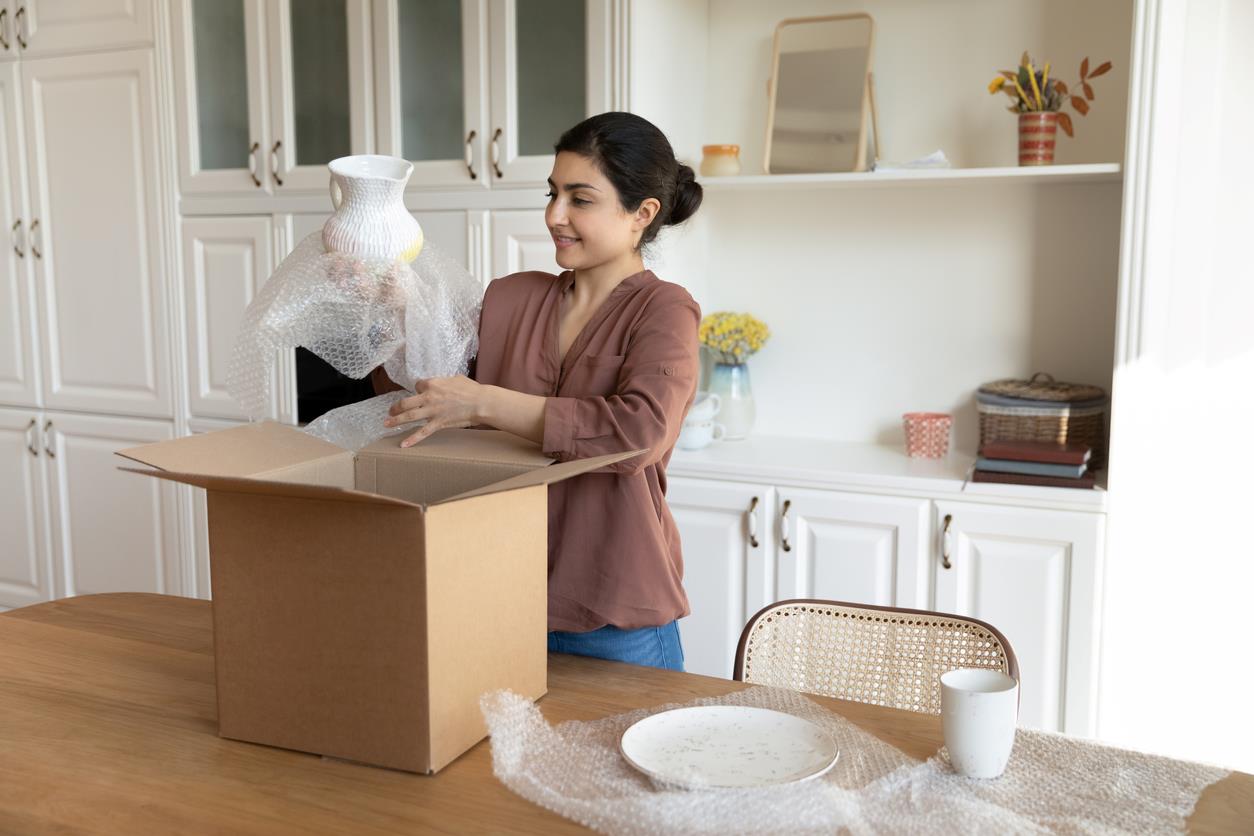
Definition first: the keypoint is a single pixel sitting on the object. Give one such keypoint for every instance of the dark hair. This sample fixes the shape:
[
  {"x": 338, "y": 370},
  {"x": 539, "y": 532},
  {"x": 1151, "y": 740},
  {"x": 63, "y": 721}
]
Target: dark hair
[{"x": 638, "y": 159}]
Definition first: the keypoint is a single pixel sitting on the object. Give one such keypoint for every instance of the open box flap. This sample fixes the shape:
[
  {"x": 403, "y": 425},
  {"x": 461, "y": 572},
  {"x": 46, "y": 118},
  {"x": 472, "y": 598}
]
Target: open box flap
[
  {"x": 265, "y": 487},
  {"x": 248, "y": 450},
  {"x": 546, "y": 475},
  {"x": 464, "y": 445}
]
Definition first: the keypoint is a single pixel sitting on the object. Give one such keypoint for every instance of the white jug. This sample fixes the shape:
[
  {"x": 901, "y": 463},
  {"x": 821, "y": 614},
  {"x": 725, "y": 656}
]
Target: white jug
[{"x": 370, "y": 219}]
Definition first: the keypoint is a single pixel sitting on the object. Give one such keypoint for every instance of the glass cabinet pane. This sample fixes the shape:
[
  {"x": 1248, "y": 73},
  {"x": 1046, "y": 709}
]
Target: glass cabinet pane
[
  {"x": 552, "y": 71},
  {"x": 320, "y": 95},
  {"x": 221, "y": 83},
  {"x": 431, "y": 79}
]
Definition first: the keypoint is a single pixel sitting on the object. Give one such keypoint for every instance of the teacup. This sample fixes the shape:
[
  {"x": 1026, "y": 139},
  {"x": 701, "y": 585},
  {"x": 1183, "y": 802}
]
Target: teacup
[
  {"x": 698, "y": 434},
  {"x": 979, "y": 708},
  {"x": 705, "y": 407}
]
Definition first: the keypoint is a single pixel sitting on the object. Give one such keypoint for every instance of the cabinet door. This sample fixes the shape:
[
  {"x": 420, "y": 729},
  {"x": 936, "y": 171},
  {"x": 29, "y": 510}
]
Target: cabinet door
[
  {"x": 548, "y": 74},
  {"x": 431, "y": 78},
  {"x": 112, "y": 531},
  {"x": 96, "y": 232},
  {"x": 18, "y": 384},
  {"x": 321, "y": 91},
  {"x": 10, "y": 49},
  {"x": 1032, "y": 574},
  {"x": 55, "y": 27},
  {"x": 727, "y": 571},
  {"x": 225, "y": 262},
  {"x": 860, "y": 548},
  {"x": 25, "y": 567},
  {"x": 221, "y": 97},
  {"x": 521, "y": 241}
]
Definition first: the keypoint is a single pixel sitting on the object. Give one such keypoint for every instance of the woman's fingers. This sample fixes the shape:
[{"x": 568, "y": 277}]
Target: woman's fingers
[
  {"x": 408, "y": 416},
  {"x": 405, "y": 404},
  {"x": 426, "y": 430}
]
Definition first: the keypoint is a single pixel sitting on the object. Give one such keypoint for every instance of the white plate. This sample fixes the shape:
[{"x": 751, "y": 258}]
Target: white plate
[{"x": 727, "y": 746}]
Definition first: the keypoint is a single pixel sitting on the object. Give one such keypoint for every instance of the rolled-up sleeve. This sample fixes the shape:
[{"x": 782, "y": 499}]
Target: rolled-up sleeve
[{"x": 655, "y": 387}]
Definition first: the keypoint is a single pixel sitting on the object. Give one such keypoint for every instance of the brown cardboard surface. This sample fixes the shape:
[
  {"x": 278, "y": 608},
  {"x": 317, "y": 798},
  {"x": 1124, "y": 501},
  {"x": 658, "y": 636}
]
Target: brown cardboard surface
[
  {"x": 247, "y": 450},
  {"x": 465, "y": 445},
  {"x": 427, "y": 480},
  {"x": 547, "y": 475},
  {"x": 320, "y": 626},
  {"x": 265, "y": 487}
]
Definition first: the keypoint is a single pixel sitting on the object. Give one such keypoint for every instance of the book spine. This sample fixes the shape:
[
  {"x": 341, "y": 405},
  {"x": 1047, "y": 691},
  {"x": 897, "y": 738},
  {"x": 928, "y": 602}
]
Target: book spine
[{"x": 1061, "y": 471}]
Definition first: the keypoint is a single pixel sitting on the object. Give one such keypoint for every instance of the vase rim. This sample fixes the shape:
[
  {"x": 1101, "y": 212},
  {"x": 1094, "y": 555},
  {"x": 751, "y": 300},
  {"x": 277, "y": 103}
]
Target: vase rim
[{"x": 372, "y": 167}]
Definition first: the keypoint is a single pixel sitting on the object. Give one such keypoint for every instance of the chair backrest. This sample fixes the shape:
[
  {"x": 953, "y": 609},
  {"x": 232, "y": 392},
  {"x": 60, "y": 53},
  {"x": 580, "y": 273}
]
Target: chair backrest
[{"x": 880, "y": 655}]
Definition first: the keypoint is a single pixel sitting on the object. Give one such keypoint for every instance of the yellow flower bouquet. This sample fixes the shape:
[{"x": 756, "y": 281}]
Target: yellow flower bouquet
[{"x": 733, "y": 337}]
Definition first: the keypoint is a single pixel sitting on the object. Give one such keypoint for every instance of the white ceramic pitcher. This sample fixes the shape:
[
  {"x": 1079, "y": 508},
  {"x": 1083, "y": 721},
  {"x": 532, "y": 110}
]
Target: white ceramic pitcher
[{"x": 370, "y": 219}]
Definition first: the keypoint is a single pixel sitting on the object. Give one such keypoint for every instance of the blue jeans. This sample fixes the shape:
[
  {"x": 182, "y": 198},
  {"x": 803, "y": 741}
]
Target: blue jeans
[{"x": 653, "y": 647}]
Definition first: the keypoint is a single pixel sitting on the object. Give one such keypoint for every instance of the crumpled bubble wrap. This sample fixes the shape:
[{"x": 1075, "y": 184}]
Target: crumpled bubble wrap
[
  {"x": 1053, "y": 784},
  {"x": 417, "y": 320}
]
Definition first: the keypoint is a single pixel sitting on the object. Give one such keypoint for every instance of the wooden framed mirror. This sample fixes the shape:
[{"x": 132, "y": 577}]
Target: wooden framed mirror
[{"x": 821, "y": 111}]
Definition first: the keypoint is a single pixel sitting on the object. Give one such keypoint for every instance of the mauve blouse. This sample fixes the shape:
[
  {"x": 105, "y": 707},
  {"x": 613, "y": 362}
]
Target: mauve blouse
[{"x": 625, "y": 384}]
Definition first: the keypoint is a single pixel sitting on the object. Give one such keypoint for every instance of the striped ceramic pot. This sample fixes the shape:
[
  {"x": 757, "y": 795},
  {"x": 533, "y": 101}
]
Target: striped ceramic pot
[
  {"x": 1036, "y": 137},
  {"x": 370, "y": 219}
]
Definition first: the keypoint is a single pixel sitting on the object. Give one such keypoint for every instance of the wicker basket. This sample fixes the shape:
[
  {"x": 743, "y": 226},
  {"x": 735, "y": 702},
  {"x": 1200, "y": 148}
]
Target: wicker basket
[{"x": 1079, "y": 414}]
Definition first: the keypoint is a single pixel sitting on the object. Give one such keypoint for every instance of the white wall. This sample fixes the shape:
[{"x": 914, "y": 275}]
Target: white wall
[{"x": 1176, "y": 674}]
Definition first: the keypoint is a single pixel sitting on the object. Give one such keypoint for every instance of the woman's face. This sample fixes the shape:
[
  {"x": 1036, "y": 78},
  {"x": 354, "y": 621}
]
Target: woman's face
[{"x": 585, "y": 217}]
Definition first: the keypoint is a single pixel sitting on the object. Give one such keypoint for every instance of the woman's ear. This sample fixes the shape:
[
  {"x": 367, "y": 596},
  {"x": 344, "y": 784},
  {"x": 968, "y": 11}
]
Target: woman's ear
[{"x": 645, "y": 213}]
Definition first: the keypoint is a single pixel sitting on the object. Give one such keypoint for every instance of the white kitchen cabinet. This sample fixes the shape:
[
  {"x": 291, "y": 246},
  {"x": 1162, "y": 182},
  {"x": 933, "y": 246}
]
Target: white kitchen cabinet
[
  {"x": 25, "y": 563},
  {"x": 56, "y": 27},
  {"x": 521, "y": 241},
  {"x": 18, "y": 383},
  {"x": 1033, "y": 574},
  {"x": 860, "y": 548},
  {"x": 225, "y": 262},
  {"x": 96, "y": 232},
  {"x": 728, "y": 565},
  {"x": 475, "y": 93},
  {"x": 112, "y": 531}
]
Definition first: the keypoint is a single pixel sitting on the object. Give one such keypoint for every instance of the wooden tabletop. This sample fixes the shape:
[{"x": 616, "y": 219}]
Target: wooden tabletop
[{"x": 107, "y": 725}]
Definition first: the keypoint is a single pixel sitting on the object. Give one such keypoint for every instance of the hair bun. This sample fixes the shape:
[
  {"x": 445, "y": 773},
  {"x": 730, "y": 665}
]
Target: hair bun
[{"x": 688, "y": 194}]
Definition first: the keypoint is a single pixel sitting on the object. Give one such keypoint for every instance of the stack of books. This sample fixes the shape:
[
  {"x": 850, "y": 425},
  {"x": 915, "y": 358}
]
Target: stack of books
[{"x": 1035, "y": 463}]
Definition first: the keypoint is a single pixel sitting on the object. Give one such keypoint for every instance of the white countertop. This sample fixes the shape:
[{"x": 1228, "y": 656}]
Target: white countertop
[{"x": 865, "y": 468}]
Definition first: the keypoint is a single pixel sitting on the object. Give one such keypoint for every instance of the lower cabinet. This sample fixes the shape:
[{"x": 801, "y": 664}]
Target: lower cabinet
[
  {"x": 1033, "y": 573},
  {"x": 25, "y": 561}
]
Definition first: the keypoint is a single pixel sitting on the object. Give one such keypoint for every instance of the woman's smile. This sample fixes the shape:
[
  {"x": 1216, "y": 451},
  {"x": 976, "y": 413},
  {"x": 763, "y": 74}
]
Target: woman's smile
[{"x": 564, "y": 241}]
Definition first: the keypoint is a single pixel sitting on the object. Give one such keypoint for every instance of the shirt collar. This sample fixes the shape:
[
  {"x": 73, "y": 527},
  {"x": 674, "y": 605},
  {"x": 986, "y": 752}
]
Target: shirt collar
[{"x": 566, "y": 281}]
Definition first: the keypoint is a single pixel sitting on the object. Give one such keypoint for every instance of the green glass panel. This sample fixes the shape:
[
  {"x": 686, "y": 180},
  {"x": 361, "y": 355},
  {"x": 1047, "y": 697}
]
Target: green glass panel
[
  {"x": 221, "y": 62},
  {"x": 432, "y": 84},
  {"x": 320, "y": 80},
  {"x": 552, "y": 66}
]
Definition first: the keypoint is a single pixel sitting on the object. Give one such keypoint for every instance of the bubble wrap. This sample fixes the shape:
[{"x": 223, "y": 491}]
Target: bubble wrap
[
  {"x": 1054, "y": 784},
  {"x": 416, "y": 320}
]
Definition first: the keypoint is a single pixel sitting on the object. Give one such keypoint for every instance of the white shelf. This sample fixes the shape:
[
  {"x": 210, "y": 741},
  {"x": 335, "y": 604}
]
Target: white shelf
[
  {"x": 1084, "y": 173},
  {"x": 866, "y": 468}
]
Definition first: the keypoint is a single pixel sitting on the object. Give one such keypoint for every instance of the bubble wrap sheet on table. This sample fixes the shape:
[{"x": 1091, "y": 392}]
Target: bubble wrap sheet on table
[
  {"x": 1054, "y": 784},
  {"x": 416, "y": 320}
]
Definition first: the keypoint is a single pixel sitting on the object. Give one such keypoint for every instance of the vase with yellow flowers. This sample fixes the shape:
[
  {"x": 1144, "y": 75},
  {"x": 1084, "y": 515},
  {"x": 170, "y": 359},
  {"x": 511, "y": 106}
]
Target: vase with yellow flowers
[
  {"x": 1039, "y": 101},
  {"x": 732, "y": 338}
]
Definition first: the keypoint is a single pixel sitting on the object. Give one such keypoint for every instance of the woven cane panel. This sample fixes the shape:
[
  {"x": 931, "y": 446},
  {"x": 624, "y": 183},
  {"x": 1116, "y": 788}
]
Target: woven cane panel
[{"x": 871, "y": 656}]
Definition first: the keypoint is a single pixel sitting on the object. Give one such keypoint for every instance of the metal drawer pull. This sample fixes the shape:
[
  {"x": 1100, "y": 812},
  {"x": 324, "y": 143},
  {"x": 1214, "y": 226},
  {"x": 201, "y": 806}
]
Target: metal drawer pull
[
  {"x": 274, "y": 162},
  {"x": 4, "y": 28},
  {"x": 470, "y": 137},
  {"x": 30, "y": 437},
  {"x": 48, "y": 434},
  {"x": 753, "y": 524},
  {"x": 17, "y": 238},
  {"x": 783, "y": 526},
  {"x": 252, "y": 163},
  {"x": 496, "y": 153},
  {"x": 20, "y": 20},
  {"x": 34, "y": 227},
  {"x": 949, "y": 518}
]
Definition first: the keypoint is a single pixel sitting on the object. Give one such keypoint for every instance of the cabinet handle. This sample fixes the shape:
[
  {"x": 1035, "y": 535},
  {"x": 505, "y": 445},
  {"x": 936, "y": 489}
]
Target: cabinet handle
[
  {"x": 783, "y": 526},
  {"x": 17, "y": 238},
  {"x": 252, "y": 163},
  {"x": 20, "y": 20},
  {"x": 274, "y": 162},
  {"x": 470, "y": 137},
  {"x": 4, "y": 28},
  {"x": 753, "y": 523},
  {"x": 48, "y": 434},
  {"x": 34, "y": 227},
  {"x": 949, "y": 518},
  {"x": 30, "y": 437},
  {"x": 496, "y": 153}
]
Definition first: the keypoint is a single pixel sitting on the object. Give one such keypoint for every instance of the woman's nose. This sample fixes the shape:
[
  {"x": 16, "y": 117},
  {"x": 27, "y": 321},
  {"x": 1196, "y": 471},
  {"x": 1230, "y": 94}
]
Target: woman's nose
[{"x": 555, "y": 213}]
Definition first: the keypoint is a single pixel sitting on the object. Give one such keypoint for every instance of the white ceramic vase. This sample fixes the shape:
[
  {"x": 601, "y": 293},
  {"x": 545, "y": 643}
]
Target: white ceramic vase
[{"x": 370, "y": 219}]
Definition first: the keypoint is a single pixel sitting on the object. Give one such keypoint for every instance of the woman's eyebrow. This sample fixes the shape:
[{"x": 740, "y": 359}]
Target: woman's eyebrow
[{"x": 570, "y": 187}]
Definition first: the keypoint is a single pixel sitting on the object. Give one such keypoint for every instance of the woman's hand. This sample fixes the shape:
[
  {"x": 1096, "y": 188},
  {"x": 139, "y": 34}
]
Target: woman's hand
[{"x": 443, "y": 402}]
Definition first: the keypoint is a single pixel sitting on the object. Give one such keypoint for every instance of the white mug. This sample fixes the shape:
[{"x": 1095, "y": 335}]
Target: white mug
[
  {"x": 704, "y": 407},
  {"x": 698, "y": 434},
  {"x": 979, "y": 709}
]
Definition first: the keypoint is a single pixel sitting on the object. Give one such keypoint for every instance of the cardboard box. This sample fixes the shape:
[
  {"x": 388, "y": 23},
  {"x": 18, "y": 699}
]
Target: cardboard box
[{"x": 363, "y": 602}]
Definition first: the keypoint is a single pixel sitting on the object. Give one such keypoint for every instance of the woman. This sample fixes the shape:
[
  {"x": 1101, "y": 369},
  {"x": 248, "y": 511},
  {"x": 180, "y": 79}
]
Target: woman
[{"x": 602, "y": 358}]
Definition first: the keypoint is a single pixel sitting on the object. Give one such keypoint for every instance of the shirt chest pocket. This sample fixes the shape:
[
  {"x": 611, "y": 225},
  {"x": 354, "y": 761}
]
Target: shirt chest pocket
[{"x": 594, "y": 374}]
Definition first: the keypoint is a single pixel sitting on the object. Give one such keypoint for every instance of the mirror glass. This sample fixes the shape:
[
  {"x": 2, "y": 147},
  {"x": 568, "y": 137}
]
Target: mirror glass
[{"x": 819, "y": 115}]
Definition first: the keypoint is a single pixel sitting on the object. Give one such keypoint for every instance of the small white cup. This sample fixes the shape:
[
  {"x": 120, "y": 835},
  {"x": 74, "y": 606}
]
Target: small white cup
[
  {"x": 697, "y": 434},
  {"x": 704, "y": 407},
  {"x": 979, "y": 709}
]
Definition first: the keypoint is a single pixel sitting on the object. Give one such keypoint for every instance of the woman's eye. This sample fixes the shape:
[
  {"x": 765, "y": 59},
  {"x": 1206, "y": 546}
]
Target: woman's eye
[
  {"x": 579, "y": 201},
  {"x": 550, "y": 194}
]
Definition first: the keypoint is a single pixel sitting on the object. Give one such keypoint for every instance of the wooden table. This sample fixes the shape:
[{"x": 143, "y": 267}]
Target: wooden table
[{"x": 107, "y": 725}]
